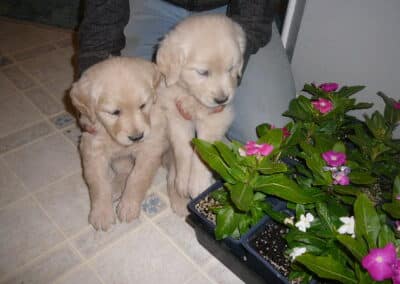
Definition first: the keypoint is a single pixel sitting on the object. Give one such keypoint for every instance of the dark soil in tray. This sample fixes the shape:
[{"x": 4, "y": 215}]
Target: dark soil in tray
[
  {"x": 271, "y": 245},
  {"x": 205, "y": 207}
]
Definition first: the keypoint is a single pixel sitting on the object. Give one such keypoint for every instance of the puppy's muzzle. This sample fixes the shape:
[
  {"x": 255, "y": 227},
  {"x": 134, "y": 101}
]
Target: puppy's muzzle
[{"x": 137, "y": 137}]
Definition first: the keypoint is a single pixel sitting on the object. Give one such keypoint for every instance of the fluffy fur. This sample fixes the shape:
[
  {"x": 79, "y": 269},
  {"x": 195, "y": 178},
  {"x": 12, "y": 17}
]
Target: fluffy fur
[
  {"x": 116, "y": 98},
  {"x": 201, "y": 60}
]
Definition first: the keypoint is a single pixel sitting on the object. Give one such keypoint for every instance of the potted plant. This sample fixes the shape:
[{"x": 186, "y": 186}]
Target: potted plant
[{"x": 344, "y": 174}]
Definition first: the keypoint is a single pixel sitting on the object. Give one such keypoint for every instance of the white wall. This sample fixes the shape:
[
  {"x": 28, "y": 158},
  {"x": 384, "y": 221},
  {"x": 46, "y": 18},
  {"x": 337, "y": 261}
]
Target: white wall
[{"x": 352, "y": 42}]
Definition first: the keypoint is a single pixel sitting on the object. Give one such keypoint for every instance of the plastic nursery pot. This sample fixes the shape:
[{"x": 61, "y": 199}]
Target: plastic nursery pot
[
  {"x": 236, "y": 245},
  {"x": 233, "y": 244},
  {"x": 256, "y": 261}
]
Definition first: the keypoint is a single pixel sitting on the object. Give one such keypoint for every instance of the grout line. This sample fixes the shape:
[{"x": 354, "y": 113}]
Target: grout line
[
  {"x": 182, "y": 252},
  {"x": 67, "y": 239},
  {"x": 47, "y": 252}
]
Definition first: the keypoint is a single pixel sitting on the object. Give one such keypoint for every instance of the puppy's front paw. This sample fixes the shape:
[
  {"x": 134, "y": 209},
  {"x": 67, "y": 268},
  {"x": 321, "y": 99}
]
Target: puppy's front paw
[
  {"x": 102, "y": 216},
  {"x": 181, "y": 187},
  {"x": 197, "y": 187},
  {"x": 179, "y": 206},
  {"x": 128, "y": 210}
]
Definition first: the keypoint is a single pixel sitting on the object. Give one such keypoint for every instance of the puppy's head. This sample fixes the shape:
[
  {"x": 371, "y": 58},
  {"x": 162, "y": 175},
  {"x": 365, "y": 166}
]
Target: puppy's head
[
  {"x": 118, "y": 94},
  {"x": 204, "y": 54}
]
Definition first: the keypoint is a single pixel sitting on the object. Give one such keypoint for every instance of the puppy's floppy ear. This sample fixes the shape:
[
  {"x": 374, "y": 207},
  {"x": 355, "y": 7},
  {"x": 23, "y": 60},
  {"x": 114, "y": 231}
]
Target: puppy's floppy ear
[
  {"x": 83, "y": 98},
  {"x": 170, "y": 59},
  {"x": 241, "y": 41}
]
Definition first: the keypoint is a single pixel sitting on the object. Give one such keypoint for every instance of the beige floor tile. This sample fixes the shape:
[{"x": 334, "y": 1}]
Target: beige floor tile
[
  {"x": 24, "y": 136},
  {"x": 16, "y": 112},
  {"x": 22, "y": 36},
  {"x": 25, "y": 233},
  {"x": 199, "y": 279},
  {"x": 91, "y": 242},
  {"x": 184, "y": 236},
  {"x": 44, "y": 161},
  {"x": 55, "y": 65},
  {"x": 35, "y": 51},
  {"x": 44, "y": 101},
  {"x": 144, "y": 257},
  {"x": 11, "y": 188},
  {"x": 6, "y": 87},
  {"x": 82, "y": 275},
  {"x": 47, "y": 268},
  {"x": 67, "y": 202},
  {"x": 221, "y": 274},
  {"x": 21, "y": 80}
]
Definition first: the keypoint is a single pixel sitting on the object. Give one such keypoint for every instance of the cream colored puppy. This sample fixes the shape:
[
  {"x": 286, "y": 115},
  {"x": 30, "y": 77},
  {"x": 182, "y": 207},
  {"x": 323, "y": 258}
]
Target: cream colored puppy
[
  {"x": 201, "y": 60},
  {"x": 116, "y": 97}
]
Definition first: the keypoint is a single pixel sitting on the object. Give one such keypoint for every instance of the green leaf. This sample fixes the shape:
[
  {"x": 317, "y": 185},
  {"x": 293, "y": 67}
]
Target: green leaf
[
  {"x": 392, "y": 116},
  {"x": 273, "y": 137},
  {"x": 328, "y": 268},
  {"x": 339, "y": 147},
  {"x": 268, "y": 167},
  {"x": 236, "y": 170},
  {"x": 367, "y": 220},
  {"x": 226, "y": 223},
  {"x": 347, "y": 190},
  {"x": 349, "y": 91},
  {"x": 300, "y": 109},
  {"x": 211, "y": 156},
  {"x": 362, "y": 106},
  {"x": 386, "y": 235},
  {"x": 316, "y": 164},
  {"x": 281, "y": 186},
  {"x": 262, "y": 129},
  {"x": 393, "y": 209},
  {"x": 323, "y": 213},
  {"x": 241, "y": 195},
  {"x": 313, "y": 90},
  {"x": 305, "y": 238},
  {"x": 357, "y": 177},
  {"x": 396, "y": 188},
  {"x": 357, "y": 247}
]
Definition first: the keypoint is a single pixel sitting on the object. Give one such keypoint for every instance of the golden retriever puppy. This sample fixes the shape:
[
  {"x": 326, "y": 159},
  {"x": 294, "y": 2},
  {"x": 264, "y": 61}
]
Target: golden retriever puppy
[
  {"x": 201, "y": 60},
  {"x": 116, "y": 99}
]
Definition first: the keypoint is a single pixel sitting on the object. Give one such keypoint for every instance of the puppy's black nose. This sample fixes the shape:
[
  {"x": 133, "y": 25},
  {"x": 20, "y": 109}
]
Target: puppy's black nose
[
  {"x": 136, "y": 137},
  {"x": 221, "y": 100}
]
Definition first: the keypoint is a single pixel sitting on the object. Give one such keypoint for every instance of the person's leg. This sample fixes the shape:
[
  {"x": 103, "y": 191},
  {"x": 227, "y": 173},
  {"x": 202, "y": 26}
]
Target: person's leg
[
  {"x": 150, "y": 20},
  {"x": 265, "y": 91}
]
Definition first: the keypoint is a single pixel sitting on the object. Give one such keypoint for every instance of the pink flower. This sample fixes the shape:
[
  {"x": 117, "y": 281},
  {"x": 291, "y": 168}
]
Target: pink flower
[
  {"x": 252, "y": 148},
  {"x": 286, "y": 132},
  {"x": 396, "y": 105},
  {"x": 329, "y": 87},
  {"x": 341, "y": 178},
  {"x": 396, "y": 272},
  {"x": 334, "y": 159},
  {"x": 380, "y": 262},
  {"x": 398, "y": 197},
  {"x": 323, "y": 105},
  {"x": 397, "y": 223}
]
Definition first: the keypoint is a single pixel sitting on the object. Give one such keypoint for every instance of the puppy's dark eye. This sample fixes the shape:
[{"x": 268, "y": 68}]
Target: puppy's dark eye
[
  {"x": 201, "y": 72},
  {"x": 116, "y": 112},
  {"x": 142, "y": 106}
]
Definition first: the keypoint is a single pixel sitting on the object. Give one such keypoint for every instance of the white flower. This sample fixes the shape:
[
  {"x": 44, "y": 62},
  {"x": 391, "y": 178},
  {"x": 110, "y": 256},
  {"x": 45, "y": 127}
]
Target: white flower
[
  {"x": 305, "y": 222},
  {"x": 297, "y": 252},
  {"x": 288, "y": 221},
  {"x": 348, "y": 226},
  {"x": 242, "y": 152}
]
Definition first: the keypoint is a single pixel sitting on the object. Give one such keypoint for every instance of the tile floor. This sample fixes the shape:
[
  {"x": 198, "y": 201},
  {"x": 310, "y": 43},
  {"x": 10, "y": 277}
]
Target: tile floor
[{"x": 44, "y": 203}]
